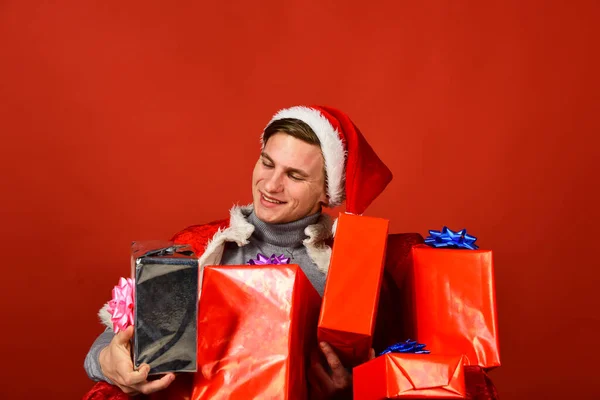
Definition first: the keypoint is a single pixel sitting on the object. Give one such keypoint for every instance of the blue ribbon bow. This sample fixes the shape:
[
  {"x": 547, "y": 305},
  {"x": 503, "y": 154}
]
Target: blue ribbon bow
[
  {"x": 409, "y": 346},
  {"x": 448, "y": 238}
]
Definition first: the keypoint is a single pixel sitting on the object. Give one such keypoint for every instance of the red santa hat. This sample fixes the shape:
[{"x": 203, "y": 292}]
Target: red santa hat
[{"x": 354, "y": 172}]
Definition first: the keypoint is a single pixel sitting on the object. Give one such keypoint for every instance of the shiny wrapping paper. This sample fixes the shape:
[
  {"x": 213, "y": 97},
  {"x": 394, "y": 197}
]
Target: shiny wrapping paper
[
  {"x": 350, "y": 300},
  {"x": 165, "y": 306},
  {"x": 410, "y": 376},
  {"x": 455, "y": 303},
  {"x": 256, "y": 327}
]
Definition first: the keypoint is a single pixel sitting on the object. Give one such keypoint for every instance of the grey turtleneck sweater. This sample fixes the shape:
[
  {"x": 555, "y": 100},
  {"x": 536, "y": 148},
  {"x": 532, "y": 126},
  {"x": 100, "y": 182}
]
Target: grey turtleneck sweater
[
  {"x": 278, "y": 239},
  {"x": 268, "y": 239}
]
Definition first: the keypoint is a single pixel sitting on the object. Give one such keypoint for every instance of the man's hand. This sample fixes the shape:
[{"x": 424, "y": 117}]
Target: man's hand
[
  {"x": 116, "y": 364},
  {"x": 334, "y": 385}
]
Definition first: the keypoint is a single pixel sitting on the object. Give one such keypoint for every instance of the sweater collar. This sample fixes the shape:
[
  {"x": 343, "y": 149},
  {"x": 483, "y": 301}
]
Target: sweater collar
[{"x": 289, "y": 234}]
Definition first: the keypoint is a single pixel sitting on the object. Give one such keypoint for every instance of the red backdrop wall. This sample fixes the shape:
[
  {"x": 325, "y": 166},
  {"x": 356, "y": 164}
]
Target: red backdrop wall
[{"x": 124, "y": 121}]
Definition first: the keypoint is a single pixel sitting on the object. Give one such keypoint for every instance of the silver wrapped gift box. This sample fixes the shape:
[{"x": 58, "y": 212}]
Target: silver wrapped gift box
[{"x": 165, "y": 307}]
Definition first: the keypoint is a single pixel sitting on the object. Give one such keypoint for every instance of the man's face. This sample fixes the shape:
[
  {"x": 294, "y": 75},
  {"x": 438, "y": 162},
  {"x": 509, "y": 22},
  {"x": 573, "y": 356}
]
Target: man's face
[{"x": 288, "y": 181}]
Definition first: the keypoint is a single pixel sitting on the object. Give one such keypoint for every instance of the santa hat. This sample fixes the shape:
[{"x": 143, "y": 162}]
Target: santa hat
[{"x": 348, "y": 157}]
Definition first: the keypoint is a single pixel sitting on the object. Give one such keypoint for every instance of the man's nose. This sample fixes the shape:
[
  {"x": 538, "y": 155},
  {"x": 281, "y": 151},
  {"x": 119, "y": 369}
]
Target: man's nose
[{"x": 274, "y": 183}]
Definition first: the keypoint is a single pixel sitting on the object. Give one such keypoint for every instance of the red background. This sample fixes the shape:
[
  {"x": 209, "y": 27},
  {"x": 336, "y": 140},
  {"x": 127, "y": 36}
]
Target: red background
[{"x": 124, "y": 121}]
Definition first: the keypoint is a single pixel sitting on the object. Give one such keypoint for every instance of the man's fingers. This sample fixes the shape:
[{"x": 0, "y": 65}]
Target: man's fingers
[
  {"x": 130, "y": 377},
  {"x": 155, "y": 386},
  {"x": 332, "y": 359},
  {"x": 317, "y": 373},
  {"x": 371, "y": 354},
  {"x": 123, "y": 337},
  {"x": 144, "y": 368},
  {"x": 320, "y": 377}
]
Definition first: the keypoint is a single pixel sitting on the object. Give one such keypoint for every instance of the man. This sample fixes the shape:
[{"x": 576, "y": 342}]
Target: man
[{"x": 312, "y": 157}]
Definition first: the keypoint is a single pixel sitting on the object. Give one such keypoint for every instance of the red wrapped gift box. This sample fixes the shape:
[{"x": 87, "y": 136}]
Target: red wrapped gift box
[
  {"x": 351, "y": 296},
  {"x": 455, "y": 303},
  {"x": 413, "y": 376},
  {"x": 256, "y": 326}
]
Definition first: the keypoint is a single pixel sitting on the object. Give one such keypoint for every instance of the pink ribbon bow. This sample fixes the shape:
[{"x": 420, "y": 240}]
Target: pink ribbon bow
[{"x": 121, "y": 305}]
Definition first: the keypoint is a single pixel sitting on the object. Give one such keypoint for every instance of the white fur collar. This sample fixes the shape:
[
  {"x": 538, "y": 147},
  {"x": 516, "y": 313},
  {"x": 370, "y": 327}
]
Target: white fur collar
[{"x": 240, "y": 230}]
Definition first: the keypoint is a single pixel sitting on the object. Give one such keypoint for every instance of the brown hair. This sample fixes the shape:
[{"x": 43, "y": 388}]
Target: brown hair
[{"x": 293, "y": 127}]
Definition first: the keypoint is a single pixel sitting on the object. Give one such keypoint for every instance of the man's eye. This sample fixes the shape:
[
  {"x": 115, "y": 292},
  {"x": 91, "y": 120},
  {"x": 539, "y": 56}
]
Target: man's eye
[
  {"x": 267, "y": 165},
  {"x": 296, "y": 177}
]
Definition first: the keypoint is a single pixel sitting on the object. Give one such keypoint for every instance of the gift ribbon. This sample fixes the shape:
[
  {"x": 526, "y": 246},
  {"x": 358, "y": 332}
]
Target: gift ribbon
[
  {"x": 261, "y": 259},
  {"x": 448, "y": 238},
  {"x": 121, "y": 305},
  {"x": 409, "y": 346}
]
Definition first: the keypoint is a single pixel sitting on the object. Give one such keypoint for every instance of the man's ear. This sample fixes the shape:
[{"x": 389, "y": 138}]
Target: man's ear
[{"x": 324, "y": 199}]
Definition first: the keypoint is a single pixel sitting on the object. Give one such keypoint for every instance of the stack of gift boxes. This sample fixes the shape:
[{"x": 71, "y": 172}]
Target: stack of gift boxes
[
  {"x": 446, "y": 301},
  {"x": 256, "y": 325}
]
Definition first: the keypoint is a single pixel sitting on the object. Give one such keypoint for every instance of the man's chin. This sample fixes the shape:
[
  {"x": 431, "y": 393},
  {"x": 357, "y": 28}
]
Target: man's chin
[{"x": 266, "y": 215}]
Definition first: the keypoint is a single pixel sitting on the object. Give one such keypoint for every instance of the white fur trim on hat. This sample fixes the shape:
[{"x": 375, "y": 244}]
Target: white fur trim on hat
[{"x": 332, "y": 147}]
